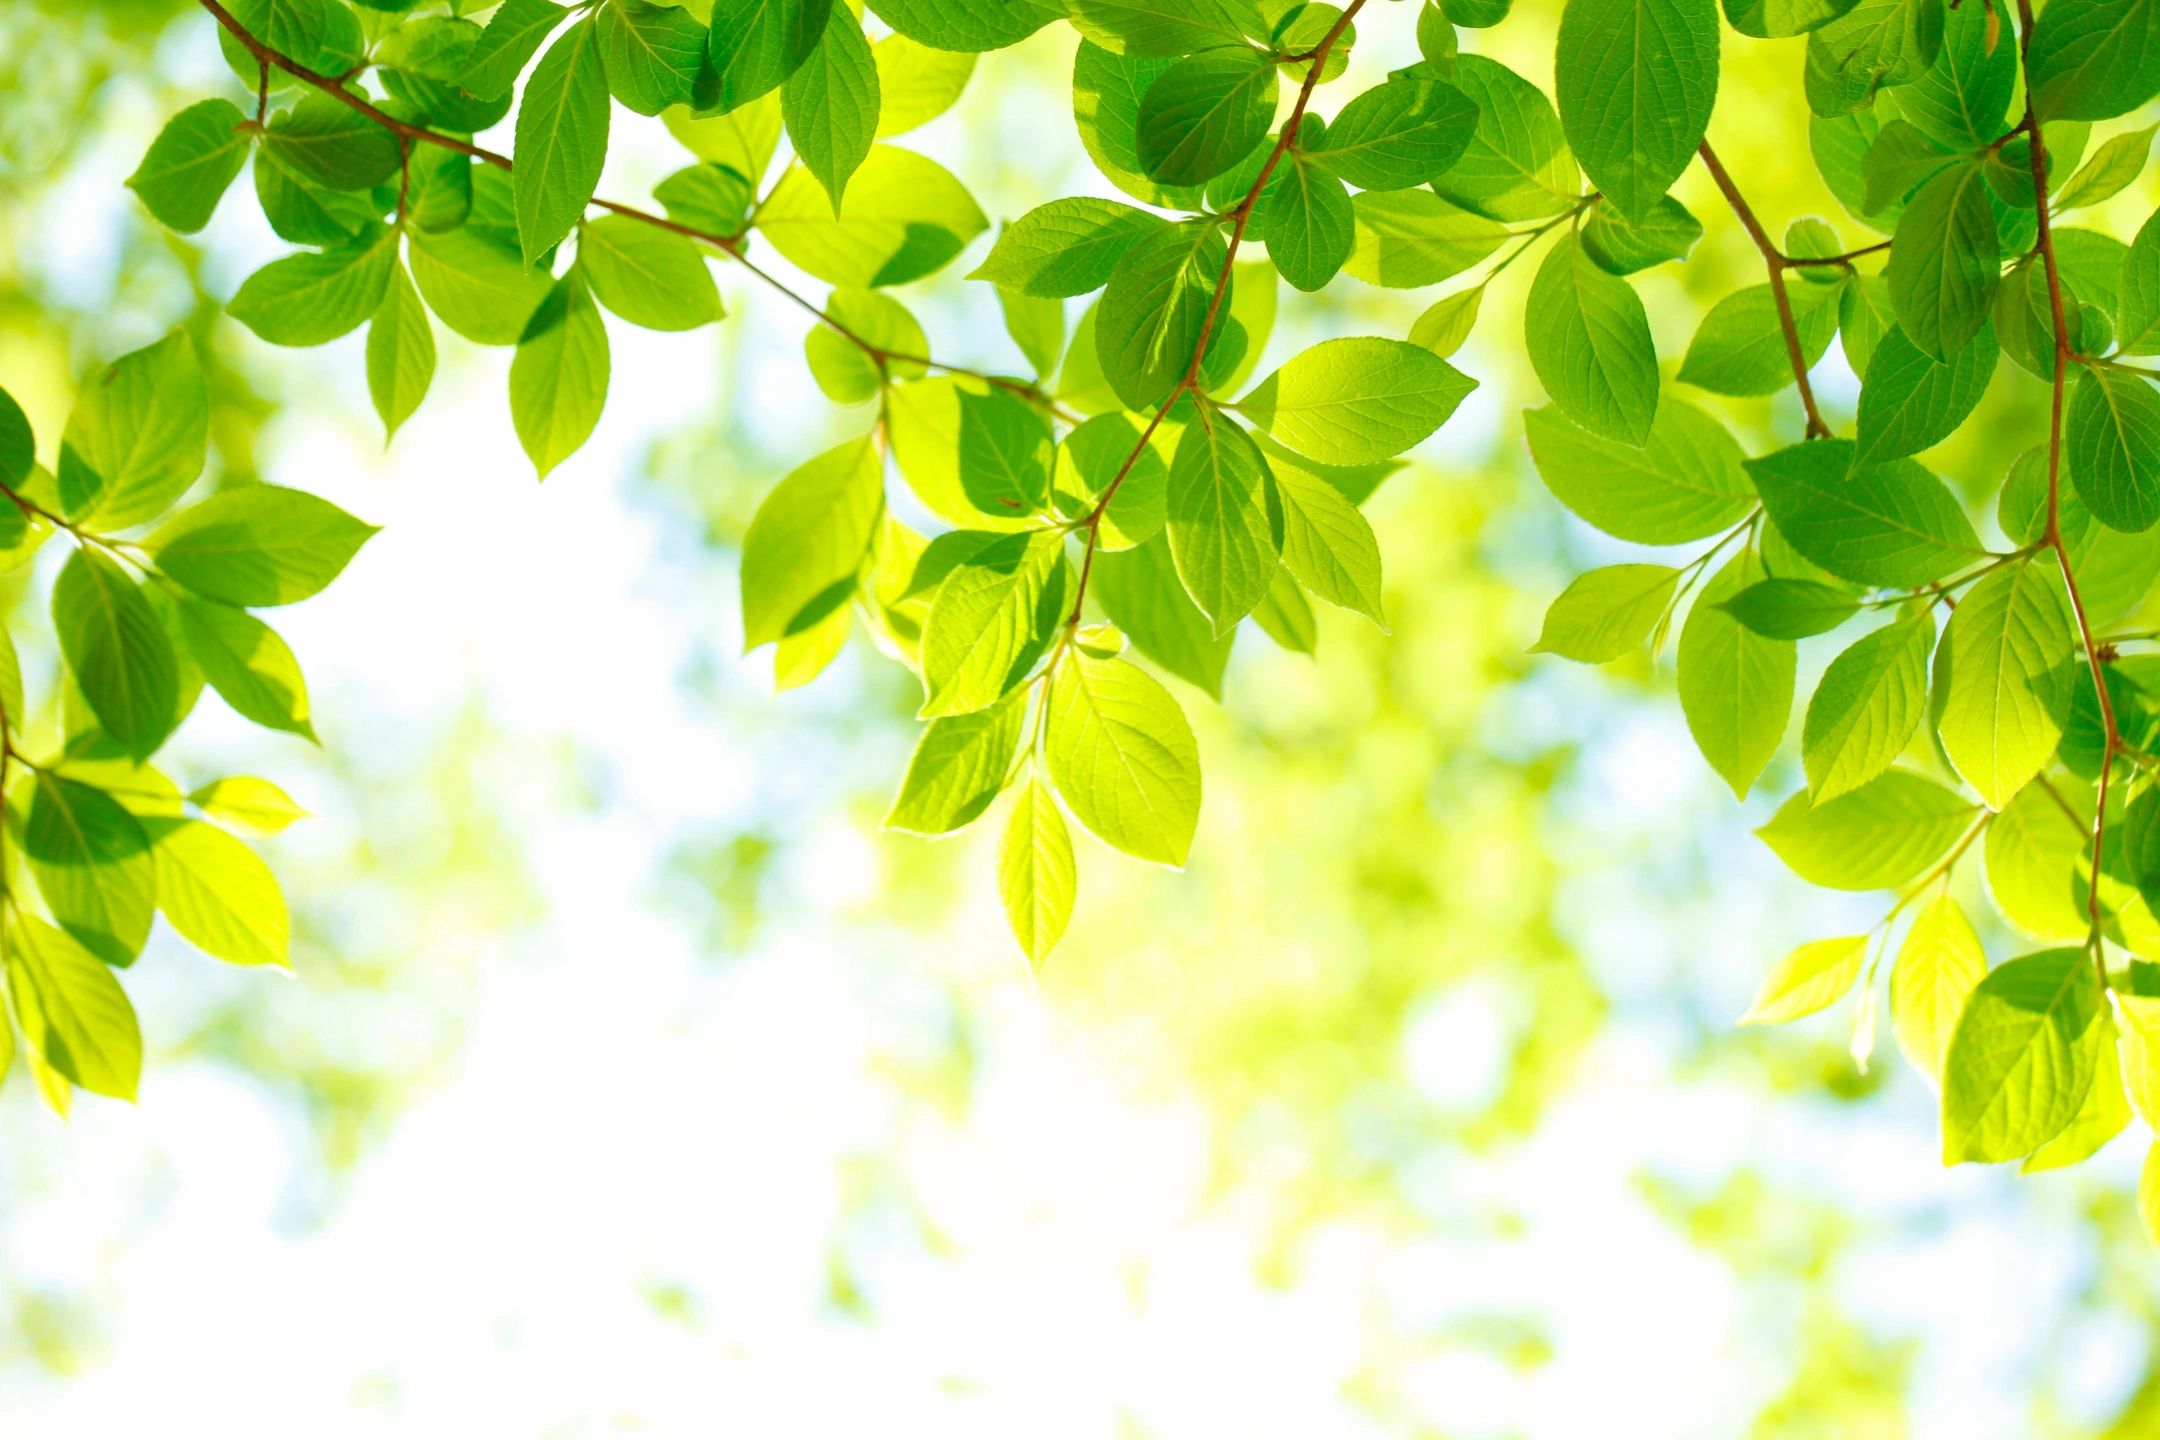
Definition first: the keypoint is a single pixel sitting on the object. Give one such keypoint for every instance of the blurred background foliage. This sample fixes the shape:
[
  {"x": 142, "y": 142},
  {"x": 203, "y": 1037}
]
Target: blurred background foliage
[{"x": 632, "y": 1081}]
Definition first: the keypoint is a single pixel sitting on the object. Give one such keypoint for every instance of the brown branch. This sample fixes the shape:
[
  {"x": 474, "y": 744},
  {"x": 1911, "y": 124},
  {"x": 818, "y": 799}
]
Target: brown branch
[
  {"x": 1776, "y": 262},
  {"x": 2111, "y": 733},
  {"x": 1239, "y": 217},
  {"x": 731, "y": 244}
]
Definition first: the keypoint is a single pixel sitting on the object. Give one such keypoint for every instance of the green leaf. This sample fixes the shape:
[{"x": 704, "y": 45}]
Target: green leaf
[
  {"x": 1866, "y": 707},
  {"x": 2036, "y": 854},
  {"x": 299, "y": 28},
  {"x": 562, "y": 137},
  {"x": 18, "y": 446},
  {"x": 1684, "y": 483},
  {"x": 248, "y": 663},
  {"x": 1605, "y": 613},
  {"x": 905, "y": 217},
  {"x": 2103, "y": 1115},
  {"x": 479, "y": 289},
  {"x": 1286, "y": 616},
  {"x": 2141, "y": 1051},
  {"x": 1877, "y": 837},
  {"x": 1910, "y": 401},
  {"x": 218, "y": 894},
  {"x": 959, "y": 766},
  {"x": 2110, "y": 170},
  {"x": 1448, "y": 321},
  {"x": 427, "y": 65},
  {"x": 1141, "y": 593},
  {"x": 1166, "y": 27},
  {"x": 249, "y": 802},
  {"x": 831, "y": 105},
  {"x": 2022, "y": 1057},
  {"x": 513, "y": 36},
  {"x": 1307, "y": 220},
  {"x": 1791, "y": 609},
  {"x": 1739, "y": 349},
  {"x": 2003, "y": 679},
  {"x": 12, "y": 710},
  {"x": 1937, "y": 969},
  {"x": 1036, "y": 875},
  {"x": 1899, "y": 160},
  {"x": 1404, "y": 239},
  {"x": 2093, "y": 59},
  {"x": 1204, "y": 114},
  {"x": 1874, "y": 45},
  {"x": 916, "y": 83},
  {"x": 1635, "y": 80},
  {"x": 257, "y": 545},
  {"x": 652, "y": 54},
  {"x": 400, "y": 353},
  {"x": 708, "y": 197},
  {"x": 1404, "y": 133},
  {"x": 92, "y": 863},
  {"x": 1668, "y": 232},
  {"x": 1123, "y": 757},
  {"x": 2137, "y": 311},
  {"x": 2111, "y": 447},
  {"x": 1067, "y": 247},
  {"x": 757, "y": 44},
  {"x": 1813, "y": 977},
  {"x": 137, "y": 436},
  {"x": 331, "y": 144},
  {"x": 1962, "y": 98},
  {"x": 1157, "y": 300},
  {"x": 1589, "y": 341},
  {"x": 117, "y": 650},
  {"x": 648, "y": 276},
  {"x": 993, "y": 618},
  {"x": 194, "y": 158},
  {"x": 1736, "y": 687},
  {"x": 1945, "y": 261},
  {"x": 809, "y": 541},
  {"x": 73, "y": 1013},
  {"x": 312, "y": 299},
  {"x": 1865, "y": 317},
  {"x": 1780, "y": 19},
  {"x": 559, "y": 376},
  {"x": 1328, "y": 544},
  {"x": 1517, "y": 165},
  {"x": 1107, "y": 89},
  {"x": 1892, "y": 524},
  {"x": 1225, "y": 519},
  {"x": 1356, "y": 400},
  {"x": 1037, "y": 326}
]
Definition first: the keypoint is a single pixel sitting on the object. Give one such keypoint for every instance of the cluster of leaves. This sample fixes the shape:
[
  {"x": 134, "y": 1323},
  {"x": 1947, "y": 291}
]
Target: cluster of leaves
[
  {"x": 2017, "y": 725},
  {"x": 1135, "y": 495},
  {"x": 153, "y": 603},
  {"x": 1137, "y": 492}
]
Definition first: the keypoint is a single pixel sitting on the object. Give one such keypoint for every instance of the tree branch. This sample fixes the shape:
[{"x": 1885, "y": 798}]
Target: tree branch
[{"x": 1776, "y": 262}]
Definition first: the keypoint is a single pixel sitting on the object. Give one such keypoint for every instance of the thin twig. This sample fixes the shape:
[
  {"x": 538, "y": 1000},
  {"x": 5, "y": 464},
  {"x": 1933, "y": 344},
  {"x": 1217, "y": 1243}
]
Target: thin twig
[
  {"x": 1776, "y": 262},
  {"x": 1239, "y": 218},
  {"x": 2111, "y": 734}
]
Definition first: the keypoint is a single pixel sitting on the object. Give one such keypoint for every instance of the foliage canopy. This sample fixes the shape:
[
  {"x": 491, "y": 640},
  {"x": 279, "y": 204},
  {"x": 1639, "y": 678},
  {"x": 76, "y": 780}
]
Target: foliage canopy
[{"x": 1122, "y": 508}]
